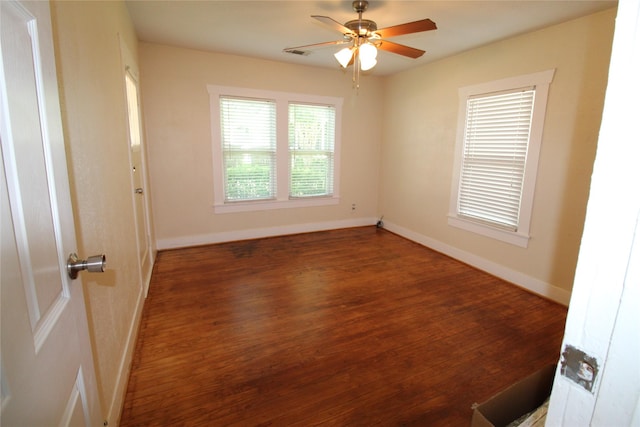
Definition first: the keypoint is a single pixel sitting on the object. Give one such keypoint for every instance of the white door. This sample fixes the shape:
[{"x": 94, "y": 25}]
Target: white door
[
  {"x": 137, "y": 176},
  {"x": 47, "y": 377}
]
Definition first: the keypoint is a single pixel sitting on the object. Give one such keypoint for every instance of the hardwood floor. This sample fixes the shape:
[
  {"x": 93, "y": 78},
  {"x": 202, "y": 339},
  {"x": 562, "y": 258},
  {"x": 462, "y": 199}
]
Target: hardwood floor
[{"x": 347, "y": 327}]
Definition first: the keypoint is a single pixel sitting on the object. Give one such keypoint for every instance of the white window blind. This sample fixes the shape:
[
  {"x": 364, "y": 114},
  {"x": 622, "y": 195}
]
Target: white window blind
[
  {"x": 311, "y": 150},
  {"x": 496, "y": 138},
  {"x": 248, "y": 128}
]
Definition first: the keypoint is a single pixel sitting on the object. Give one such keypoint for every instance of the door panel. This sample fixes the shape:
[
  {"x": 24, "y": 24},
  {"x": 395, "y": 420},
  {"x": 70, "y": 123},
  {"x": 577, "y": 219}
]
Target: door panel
[
  {"x": 76, "y": 408},
  {"x": 47, "y": 376},
  {"x": 24, "y": 151}
]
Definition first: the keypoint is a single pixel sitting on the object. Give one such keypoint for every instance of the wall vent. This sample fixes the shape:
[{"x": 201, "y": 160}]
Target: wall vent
[{"x": 299, "y": 52}]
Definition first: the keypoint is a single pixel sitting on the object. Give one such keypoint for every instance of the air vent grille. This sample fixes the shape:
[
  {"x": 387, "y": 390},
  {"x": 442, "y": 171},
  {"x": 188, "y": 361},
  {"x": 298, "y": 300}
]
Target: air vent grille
[{"x": 298, "y": 52}]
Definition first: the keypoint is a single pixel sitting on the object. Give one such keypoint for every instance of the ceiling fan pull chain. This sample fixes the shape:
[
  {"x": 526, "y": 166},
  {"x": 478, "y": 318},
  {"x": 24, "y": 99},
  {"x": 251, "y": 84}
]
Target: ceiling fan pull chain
[{"x": 356, "y": 67}]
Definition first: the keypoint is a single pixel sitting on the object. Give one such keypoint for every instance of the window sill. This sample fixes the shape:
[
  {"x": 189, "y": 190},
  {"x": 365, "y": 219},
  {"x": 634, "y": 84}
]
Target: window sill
[
  {"x": 514, "y": 238},
  {"x": 264, "y": 205}
]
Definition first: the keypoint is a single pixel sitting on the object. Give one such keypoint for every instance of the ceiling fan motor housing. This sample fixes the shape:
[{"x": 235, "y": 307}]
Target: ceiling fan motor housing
[{"x": 362, "y": 27}]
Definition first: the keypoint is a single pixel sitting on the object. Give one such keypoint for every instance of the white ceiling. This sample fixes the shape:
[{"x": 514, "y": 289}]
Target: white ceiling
[{"x": 262, "y": 29}]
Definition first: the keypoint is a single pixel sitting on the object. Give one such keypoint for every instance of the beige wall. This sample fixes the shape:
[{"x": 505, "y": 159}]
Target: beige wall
[
  {"x": 176, "y": 103},
  {"x": 420, "y": 111},
  {"x": 91, "y": 79}
]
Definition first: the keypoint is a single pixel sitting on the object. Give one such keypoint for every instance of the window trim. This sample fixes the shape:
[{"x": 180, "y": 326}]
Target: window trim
[
  {"x": 520, "y": 237},
  {"x": 282, "y": 100}
]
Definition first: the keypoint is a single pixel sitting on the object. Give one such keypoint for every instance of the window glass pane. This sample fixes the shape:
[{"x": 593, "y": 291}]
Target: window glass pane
[
  {"x": 495, "y": 148},
  {"x": 249, "y": 148},
  {"x": 133, "y": 110},
  {"x": 311, "y": 148}
]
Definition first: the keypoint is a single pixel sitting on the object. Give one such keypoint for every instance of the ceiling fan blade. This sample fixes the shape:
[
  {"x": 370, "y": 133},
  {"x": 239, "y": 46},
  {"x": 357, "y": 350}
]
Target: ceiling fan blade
[
  {"x": 333, "y": 24},
  {"x": 311, "y": 46},
  {"x": 408, "y": 28},
  {"x": 400, "y": 49}
]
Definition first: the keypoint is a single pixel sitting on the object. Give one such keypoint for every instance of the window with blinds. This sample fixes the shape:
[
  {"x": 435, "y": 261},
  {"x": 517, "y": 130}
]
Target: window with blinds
[
  {"x": 496, "y": 138},
  {"x": 500, "y": 126},
  {"x": 248, "y": 128},
  {"x": 311, "y": 150},
  {"x": 274, "y": 150}
]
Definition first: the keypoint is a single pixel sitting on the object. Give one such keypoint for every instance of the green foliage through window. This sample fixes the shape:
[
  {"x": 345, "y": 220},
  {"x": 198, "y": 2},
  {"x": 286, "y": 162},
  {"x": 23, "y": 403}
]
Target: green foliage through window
[{"x": 249, "y": 176}]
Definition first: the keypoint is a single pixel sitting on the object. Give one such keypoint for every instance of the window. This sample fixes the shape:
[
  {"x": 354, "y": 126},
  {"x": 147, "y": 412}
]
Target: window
[
  {"x": 248, "y": 139},
  {"x": 311, "y": 147},
  {"x": 499, "y": 137},
  {"x": 273, "y": 149}
]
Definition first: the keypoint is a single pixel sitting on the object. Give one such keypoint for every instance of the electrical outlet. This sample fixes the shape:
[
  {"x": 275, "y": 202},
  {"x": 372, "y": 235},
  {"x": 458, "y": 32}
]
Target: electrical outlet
[{"x": 353, "y": 206}]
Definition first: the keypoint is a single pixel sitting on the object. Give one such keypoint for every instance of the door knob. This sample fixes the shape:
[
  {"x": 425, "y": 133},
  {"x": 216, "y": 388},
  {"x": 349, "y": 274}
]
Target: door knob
[
  {"x": 93, "y": 264},
  {"x": 139, "y": 190}
]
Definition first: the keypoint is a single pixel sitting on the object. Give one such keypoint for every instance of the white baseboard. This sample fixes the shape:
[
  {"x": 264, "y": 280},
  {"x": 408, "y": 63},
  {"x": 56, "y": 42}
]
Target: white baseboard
[
  {"x": 529, "y": 283},
  {"x": 120, "y": 389},
  {"x": 257, "y": 233}
]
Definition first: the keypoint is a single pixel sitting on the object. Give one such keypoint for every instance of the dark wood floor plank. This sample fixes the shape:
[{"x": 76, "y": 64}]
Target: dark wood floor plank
[{"x": 346, "y": 327}]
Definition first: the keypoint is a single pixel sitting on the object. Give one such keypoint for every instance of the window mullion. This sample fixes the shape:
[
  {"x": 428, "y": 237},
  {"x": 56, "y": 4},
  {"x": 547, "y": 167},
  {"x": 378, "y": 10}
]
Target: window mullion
[{"x": 282, "y": 141}]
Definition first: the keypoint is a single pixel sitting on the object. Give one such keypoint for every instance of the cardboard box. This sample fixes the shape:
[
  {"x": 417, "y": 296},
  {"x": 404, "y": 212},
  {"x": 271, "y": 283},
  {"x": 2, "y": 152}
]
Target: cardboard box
[{"x": 517, "y": 400}]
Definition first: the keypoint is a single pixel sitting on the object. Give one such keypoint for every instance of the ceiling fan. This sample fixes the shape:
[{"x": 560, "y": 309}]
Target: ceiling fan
[{"x": 364, "y": 39}]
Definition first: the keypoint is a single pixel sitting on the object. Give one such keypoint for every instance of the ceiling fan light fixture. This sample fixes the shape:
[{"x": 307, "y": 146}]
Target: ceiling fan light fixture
[
  {"x": 367, "y": 54},
  {"x": 343, "y": 56},
  {"x": 367, "y": 65}
]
